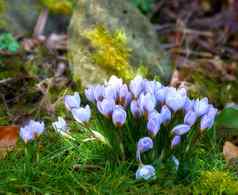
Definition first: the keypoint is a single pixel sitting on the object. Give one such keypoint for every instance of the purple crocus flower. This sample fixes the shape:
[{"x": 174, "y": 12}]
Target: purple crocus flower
[
  {"x": 119, "y": 116},
  {"x": 135, "y": 109},
  {"x": 151, "y": 86},
  {"x": 181, "y": 129},
  {"x": 160, "y": 94},
  {"x": 175, "y": 99},
  {"x": 99, "y": 92},
  {"x": 89, "y": 93},
  {"x": 111, "y": 93},
  {"x": 188, "y": 105},
  {"x": 72, "y": 101},
  {"x": 153, "y": 126},
  {"x": 201, "y": 106},
  {"x": 144, "y": 144},
  {"x": 31, "y": 130},
  {"x": 82, "y": 115},
  {"x": 190, "y": 118},
  {"x": 175, "y": 141},
  {"x": 147, "y": 102},
  {"x": 207, "y": 120},
  {"x": 145, "y": 172},
  {"x": 106, "y": 107},
  {"x": 125, "y": 96},
  {"x": 165, "y": 114},
  {"x": 137, "y": 86}
]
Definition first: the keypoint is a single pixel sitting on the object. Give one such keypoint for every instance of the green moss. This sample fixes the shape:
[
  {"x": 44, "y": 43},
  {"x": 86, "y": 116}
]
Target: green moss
[{"x": 112, "y": 52}]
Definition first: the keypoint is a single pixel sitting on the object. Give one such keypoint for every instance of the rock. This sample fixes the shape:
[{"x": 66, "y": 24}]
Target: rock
[
  {"x": 230, "y": 151},
  {"x": 112, "y": 37}
]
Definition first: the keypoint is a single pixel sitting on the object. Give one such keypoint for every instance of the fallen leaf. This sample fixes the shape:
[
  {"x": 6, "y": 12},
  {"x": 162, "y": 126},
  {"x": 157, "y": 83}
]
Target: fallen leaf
[
  {"x": 8, "y": 139},
  {"x": 230, "y": 151}
]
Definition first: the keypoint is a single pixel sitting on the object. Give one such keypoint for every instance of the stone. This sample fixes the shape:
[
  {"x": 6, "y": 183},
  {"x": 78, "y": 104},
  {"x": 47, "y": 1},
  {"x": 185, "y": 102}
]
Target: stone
[{"x": 112, "y": 37}]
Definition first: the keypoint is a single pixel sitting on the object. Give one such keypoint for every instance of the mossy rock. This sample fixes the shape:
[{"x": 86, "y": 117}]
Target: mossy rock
[{"x": 113, "y": 37}]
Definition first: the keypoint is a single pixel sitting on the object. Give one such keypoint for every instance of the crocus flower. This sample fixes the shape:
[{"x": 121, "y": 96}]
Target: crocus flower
[
  {"x": 99, "y": 92},
  {"x": 72, "y": 101},
  {"x": 160, "y": 94},
  {"x": 89, "y": 93},
  {"x": 125, "y": 95},
  {"x": 118, "y": 116},
  {"x": 137, "y": 86},
  {"x": 38, "y": 127},
  {"x": 153, "y": 126},
  {"x": 201, "y": 106},
  {"x": 151, "y": 86},
  {"x": 207, "y": 120},
  {"x": 60, "y": 126},
  {"x": 188, "y": 105},
  {"x": 135, "y": 109},
  {"x": 114, "y": 82},
  {"x": 144, "y": 144},
  {"x": 111, "y": 93},
  {"x": 145, "y": 172},
  {"x": 190, "y": 118},
  {"x": 175, "y": 141},
  {"x": 181, "y": 129},
  {"x": 82, "y": 115},
  {"x": 147, "y": 102},
  {"x": 31, "y": 130},
  {"x": 165, "y": 114},
  {"x": 175, "y": 99},
  {"x": 106, "y": 107}
]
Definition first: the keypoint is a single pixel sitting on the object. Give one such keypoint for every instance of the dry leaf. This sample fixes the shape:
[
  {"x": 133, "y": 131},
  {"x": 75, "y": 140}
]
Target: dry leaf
[
  {"x": 230, "y": 151},
  {"x": 8, "y": 139}
]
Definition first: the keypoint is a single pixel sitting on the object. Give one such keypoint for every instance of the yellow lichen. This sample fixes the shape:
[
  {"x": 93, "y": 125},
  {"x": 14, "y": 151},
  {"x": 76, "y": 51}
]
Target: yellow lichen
[
  {"x": 62, "y": 7},
  {"x": 111, "y": 51}
]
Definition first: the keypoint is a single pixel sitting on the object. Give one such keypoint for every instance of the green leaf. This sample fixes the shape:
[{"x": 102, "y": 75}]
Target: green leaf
[
  {"x": 227, "y": 122},
  {"x": 8, "y": 42}
]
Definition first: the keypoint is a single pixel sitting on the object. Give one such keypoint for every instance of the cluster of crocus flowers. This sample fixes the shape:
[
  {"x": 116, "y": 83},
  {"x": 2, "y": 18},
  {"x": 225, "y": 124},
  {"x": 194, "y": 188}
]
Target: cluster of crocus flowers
[
  {"x": 158, "y": 104},
  {"x": 31, "y": 130}
]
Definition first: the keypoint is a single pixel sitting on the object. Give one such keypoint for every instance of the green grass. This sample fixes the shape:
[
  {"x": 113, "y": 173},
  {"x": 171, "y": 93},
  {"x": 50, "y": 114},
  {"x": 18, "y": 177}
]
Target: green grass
[{"x": 56, "y": 165}]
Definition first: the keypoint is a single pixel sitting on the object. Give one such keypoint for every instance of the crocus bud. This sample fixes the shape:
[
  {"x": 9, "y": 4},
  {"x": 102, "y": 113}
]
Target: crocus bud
[
  {"x": 82, "y": 115},
  {"x": 124, "y": 96},
  {"x": 99, "y": 92},
  {"x": 37, "y": 127},
  {"x": 106, "y": 107},
  {"x": 176, "y": 162},
  {"x": 72, "y": 101},
  {"x": 145, "y": 172},
  {"x": 190, "y": 118},
  {"x": 165, "y": 114},
  {"x": 27, "y": 134},
  {"x": 151, "y": 86},
  {"x": 137, "y": 86},
  {"x": 60, "y": 126},
  {"x": 119, "y": 116},
  {"x": 153, "y": 126},
  {"x": 207, "y": 120},
  {"x": 175, "y": 99},
  {"x": 144, "y": 144},
  {"x": 175, "y": 141},
  {"x": 89, "y": 93},
  {"x": 135, "y": 109},
  {"x": 147, "y": 102},
  {"x": 181, "y": 129},
  {"x": 188, "y": 105},
  {"x": 201, "y": 106},
  {"x": 160, "y": 94}
]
